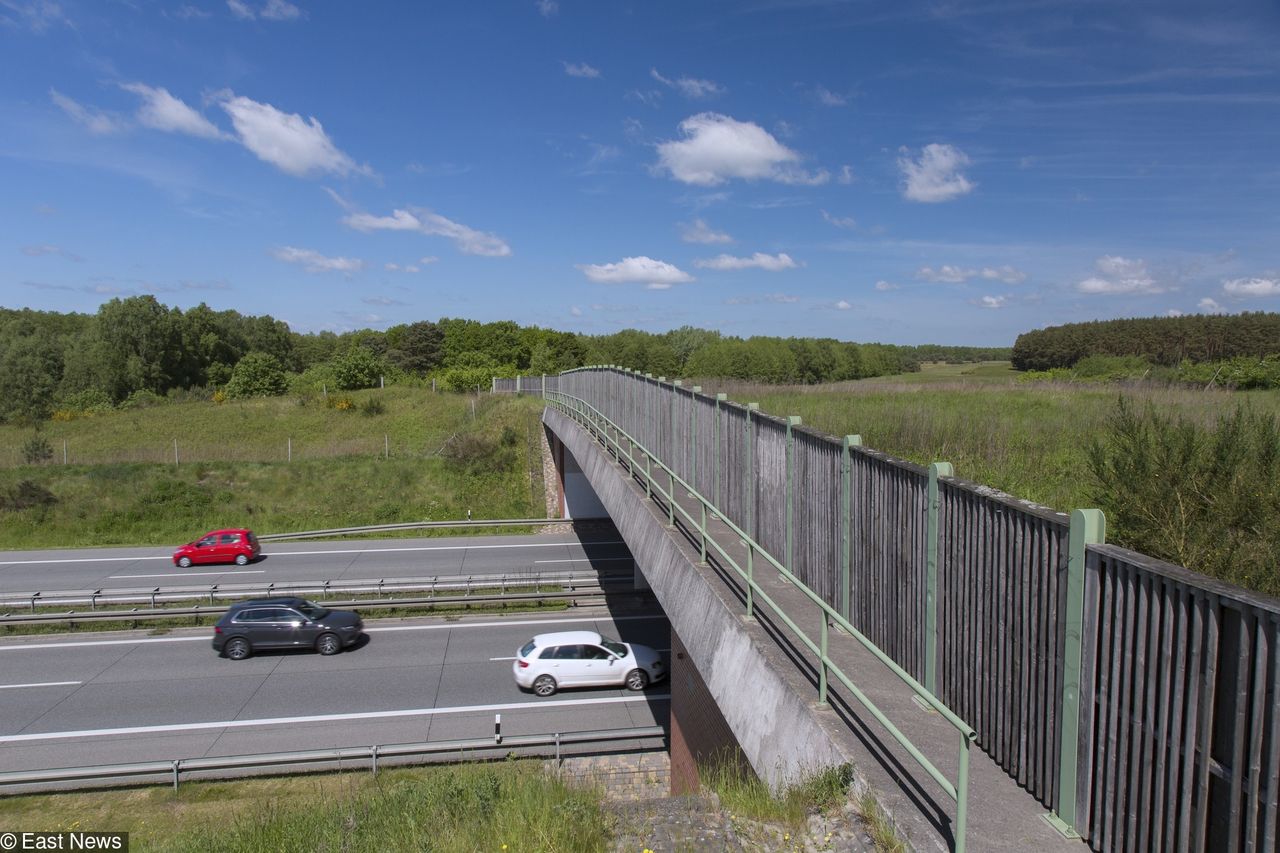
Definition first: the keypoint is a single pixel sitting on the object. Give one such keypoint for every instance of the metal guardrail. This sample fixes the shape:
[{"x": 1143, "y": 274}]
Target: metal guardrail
[
  {"x": 414, "y": 525},
  {"x": 159, "y": 594},
  {"x": 106, "y": 773},
  {"x": 611, "y": 435},
  {"x": 135, "y": 614}
]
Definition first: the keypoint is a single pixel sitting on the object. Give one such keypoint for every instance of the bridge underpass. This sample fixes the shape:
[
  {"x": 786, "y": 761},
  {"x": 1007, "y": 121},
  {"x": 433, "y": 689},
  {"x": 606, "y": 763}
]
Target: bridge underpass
[{"x": 749, "y": 687}]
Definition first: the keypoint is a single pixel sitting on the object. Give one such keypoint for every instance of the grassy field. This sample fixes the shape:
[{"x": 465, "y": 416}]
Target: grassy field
[
  {"x": 442, "y": 455},
  {"x": 1028, "y": 439}
]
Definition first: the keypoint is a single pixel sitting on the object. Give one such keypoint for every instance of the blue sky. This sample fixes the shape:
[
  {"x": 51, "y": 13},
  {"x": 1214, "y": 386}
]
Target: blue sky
[{"x": 870, "y": 171}]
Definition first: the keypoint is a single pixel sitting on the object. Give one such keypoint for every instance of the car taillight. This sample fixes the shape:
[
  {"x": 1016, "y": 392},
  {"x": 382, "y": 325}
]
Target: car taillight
[
  {"x": 523, "y": 664},
  {"x": 217, "y": 630}
]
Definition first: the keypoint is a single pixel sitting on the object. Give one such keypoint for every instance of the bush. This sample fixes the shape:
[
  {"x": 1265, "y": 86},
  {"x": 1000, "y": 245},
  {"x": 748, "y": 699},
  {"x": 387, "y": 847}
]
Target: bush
[
  {"x": 26, "y": 495},
  {"x": 257, "y": 375},
  {"x": 373, "y": 406},
  {"x": 141, "y": 399},
  {"x": 357, "y": 368},
  {"x": 36, "y": 450},
  {"x": 1204, "y": 498},
  {"x": 93, "y": 401},
  {"x": 478, "y": 454}
]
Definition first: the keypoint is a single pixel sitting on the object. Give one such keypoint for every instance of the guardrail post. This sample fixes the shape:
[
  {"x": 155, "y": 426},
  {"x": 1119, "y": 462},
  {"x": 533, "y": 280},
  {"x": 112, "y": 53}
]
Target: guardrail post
[
  {"x": 373, "y": 753},
  {"x": 792, "y": 421},
  {"x": 720, "y": 398},
  {"x": 936, "y": 470},
  {"x": 749, "y": 482},
  {"x": 846, "y": 506},
  {"x": 1088, "y": 527},
  {"x": 177, "y": 765}
]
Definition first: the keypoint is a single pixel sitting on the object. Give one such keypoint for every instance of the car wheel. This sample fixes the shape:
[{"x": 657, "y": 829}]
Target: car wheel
[
  {"x": 328, "y": 644},
  {"x": 185, "y": 562},
  {"x": 242, "y": 560},
  {"x": 637, "y": 679},
  {"x": 544, "y": 685},
  {"x": 237, "y": 648}
]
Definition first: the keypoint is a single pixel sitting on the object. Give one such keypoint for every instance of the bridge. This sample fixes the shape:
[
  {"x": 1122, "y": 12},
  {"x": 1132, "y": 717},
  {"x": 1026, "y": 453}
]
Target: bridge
[{"x": 999, "y": 675}]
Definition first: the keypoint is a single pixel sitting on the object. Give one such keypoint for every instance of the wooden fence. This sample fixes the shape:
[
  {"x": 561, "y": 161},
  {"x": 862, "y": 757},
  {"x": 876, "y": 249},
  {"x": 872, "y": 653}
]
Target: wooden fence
[{"x": 1174, "y": 741}]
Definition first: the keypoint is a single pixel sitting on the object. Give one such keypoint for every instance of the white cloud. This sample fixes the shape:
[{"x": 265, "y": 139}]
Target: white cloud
[
  {"x": 840, "y": 221},
  {"x": 1173, "y": 312},
  {"x": 575, "y": 310},
  {"x": 35, "y": 15},
  {"x": 287, "y": 141},
  {"x": 1116, "y": 275},
  {"x": 1252, "y": 286},
  {"x": 162, "y": 111},
  {"x": 98, "y": 122},
  {"x": 717, "y": 148},
  {"x": 843, "y": 305},
  {"x": 272, "y": 10},
  {"x": 547, "y": 8},
  {"x": 468, "y": 240},
  {"x": 580, "y": 70},
  {"x": 690, "y": 87},
  {"x": 700, "y": 232},
  {"x": 946, "y": 274},
  {"x": 389, "y": 267},
  {"x": 846, "y": 175},
  {"x": 1006, "y": 273},
  {"x": 993, "y": 302},
  {"x": 831, "y": 99},
  {"x": 936, "y": 175},
  {"x": 1210, "y": 305},
  {"x": 656, "y": 275},
  {"x": 883, "y": 285},
  {"x": 313, "y": 261},
  {"x": 772, "y": 263},
  {"x": 428, "y": 259}
]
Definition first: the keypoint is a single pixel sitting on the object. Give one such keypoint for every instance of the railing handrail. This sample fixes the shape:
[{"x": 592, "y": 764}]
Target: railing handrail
[
  {"x": 957, "y": 792},
  {"x": 415, "y": 525},
  {"x": 174, "y": 767}
]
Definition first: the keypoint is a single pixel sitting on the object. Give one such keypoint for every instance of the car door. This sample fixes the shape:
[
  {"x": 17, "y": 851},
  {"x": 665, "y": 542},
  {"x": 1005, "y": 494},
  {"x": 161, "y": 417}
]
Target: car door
[
  {"x": 228, "y": 547},
  {"x": 206, "y": 550},
  {"x": 566, "y": 665},
  {"x": 251, "y": 624},
  {"x": 301, "y": 630},
  {"x": 598, "y": 666}
]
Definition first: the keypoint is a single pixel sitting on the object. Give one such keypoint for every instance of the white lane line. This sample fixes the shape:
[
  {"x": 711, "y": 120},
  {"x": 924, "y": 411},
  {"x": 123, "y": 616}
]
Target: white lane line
[
  {"x": 38, "y": 684},
  {"x": 587, "y": 560},
  {"x": 315, "y": 553},
  {"x": 443, "y": 627},
  {"x": 329, "y": 718},
  {"x": 510, "y": 658},
  {"x": 186, "y": 574}
]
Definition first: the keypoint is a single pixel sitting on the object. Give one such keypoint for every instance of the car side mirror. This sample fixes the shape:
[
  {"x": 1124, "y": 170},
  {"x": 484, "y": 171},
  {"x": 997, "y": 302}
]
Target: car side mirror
[{"x": 295, "y": 623}]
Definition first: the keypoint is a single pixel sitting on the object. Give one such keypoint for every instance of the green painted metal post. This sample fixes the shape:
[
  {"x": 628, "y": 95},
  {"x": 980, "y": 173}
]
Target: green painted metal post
[
  {"x": 693, "y": 436},
  {"x": 671, "y": 498},
  {"x": 517, "y": 384},
  {"x": 792, "y": 421},
  {"x": 720, "y": 398},
  {"x": 936, "y": 470},
  {"x": 846, "y": 508},
  {"x": 1088, "y": 527},
  {"x": 702, "y": 550},
  {"x": 749, "y": 500},
  {"x": 962, "y": 792},
  {"x": 751, "y": 578},
  {"x": 671, "y": 416},
  {"x": 822, "y": 662}
]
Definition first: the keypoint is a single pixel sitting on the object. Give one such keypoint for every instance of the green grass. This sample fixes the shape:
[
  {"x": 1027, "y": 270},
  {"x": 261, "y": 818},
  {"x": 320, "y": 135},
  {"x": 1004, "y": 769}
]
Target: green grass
[
  {"x": 232, "y": 469},
  {"x": 508, "y": 806},
  {"x": 1028, "y": 439},
  {"x": 744, "y": 794}
]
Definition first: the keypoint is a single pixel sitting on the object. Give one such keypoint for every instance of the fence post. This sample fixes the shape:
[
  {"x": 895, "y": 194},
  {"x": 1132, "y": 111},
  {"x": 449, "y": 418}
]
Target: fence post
[
  {"x": 846, "y": 507},
  {"x": 693, "y": 437},
  {"x": 493, "y": 386},
  {"x": 288, "y": 449},
  {"x": 936, "y": 470},
  {"x": 517, "y": 383},
  {"x": 671, "y": 406},
  {"x": 720, "y": 398},
  {"x": 175, "y": 452},
  {"x": 1088, "y": 527},
  {"x": 543, "y": 390},
  {"x": 792, "y": 421},
  {"x": 749, "y": 483}
]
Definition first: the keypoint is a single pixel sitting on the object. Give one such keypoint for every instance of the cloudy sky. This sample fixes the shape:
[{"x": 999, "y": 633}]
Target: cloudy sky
[{"x": 945, "y": 172}]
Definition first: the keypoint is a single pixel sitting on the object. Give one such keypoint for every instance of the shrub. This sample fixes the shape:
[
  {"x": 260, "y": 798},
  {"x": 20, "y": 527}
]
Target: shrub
[
  {"x": 26, "y": 495},
  {"x": 1204, "y": 498},
  {"x": 478, "y": 454},
  {"x": 141, "y": 399},
  {"x": 373, "y": 406},
  {"x": 93, "y": 401},
  {"x": 36, "y": 450},
  {"x": 357, "y": 368},
  {"x": 257, "y": 375}
]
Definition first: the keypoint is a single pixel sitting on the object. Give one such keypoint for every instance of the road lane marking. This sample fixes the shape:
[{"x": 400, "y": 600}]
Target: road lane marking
[
  {"x": 443, "y": 627},
  {"x": 510, "y": 658},
  {"x": 330, "y": 718},
  {"x": 38, "y": 684},
  {"x": 315, "y": 553},
  {"x": 587, "y": 560},
  {"x": 186, "y": 574}
]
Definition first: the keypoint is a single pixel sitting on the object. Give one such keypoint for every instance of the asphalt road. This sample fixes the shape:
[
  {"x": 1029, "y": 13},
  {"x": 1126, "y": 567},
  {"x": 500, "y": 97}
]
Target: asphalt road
[
  {"x": 87, "y": 569},
  {"x": 68, "y": 700}
]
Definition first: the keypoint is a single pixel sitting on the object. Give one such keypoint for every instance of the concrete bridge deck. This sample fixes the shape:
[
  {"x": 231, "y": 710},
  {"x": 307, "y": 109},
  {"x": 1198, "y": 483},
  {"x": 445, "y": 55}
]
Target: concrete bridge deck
[{"x": 765, "y": 681}]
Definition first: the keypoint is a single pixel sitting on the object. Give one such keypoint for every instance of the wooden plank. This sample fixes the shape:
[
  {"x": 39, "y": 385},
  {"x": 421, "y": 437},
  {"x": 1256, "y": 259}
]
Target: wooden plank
[
  {"x": 1270, "y": 802},
  {"x": 1090, "y": 628},
  {"x": 1169, "y": 713},
  {"x": 1205, "y": 719},
  {"x": 1252, "y": 805},
  {"x": 1136, "y": 693},
  {"x": 1240, "y": 722}
]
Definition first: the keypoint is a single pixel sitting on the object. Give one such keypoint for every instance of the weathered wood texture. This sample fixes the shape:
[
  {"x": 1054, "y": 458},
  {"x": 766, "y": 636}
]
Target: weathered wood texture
[{"x": 1179, "y": 739}]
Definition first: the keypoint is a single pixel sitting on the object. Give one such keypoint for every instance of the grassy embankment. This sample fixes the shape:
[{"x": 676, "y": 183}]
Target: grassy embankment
[
  {"x": 447, "y": 454},
  {"x": 1030, "y": 440}
]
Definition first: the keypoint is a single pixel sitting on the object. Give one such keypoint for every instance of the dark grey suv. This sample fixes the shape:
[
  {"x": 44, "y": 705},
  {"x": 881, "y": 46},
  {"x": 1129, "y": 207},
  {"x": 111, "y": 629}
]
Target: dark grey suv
[{"x": 284, "y": 623}]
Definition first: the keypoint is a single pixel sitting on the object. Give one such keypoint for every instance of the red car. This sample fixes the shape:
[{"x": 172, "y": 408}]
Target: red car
[{"x": 237, "y": 546}]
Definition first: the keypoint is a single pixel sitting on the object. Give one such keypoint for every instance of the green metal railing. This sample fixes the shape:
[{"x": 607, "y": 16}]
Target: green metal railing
[{"x": 612, "y": 436}]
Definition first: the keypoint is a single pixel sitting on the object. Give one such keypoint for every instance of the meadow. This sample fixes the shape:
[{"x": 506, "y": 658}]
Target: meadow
[{"x": 399, "y": 454}]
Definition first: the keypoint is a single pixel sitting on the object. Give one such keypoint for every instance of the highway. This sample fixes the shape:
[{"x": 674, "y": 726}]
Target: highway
[
  {"x": 87, "y": 569},
  {"x": 70, "y": 700}
]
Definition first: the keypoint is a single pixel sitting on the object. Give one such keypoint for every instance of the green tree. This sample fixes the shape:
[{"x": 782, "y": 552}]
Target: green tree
[
  {"x": 357, "y": 368},
  {"x": 257, "y": 375}
]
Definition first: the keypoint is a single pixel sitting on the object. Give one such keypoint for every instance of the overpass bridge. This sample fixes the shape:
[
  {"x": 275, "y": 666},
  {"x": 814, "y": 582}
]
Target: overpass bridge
[{"x": 999, "y": 675}]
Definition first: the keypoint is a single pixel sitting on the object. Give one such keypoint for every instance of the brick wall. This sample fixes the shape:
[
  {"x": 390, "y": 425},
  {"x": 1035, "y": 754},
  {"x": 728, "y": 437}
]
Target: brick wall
[{"x": 699, "y": 733}]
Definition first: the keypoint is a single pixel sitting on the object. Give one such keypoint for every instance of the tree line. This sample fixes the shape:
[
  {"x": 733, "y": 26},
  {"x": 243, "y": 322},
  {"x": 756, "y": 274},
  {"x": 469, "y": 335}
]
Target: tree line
[
  {"x": 137, "y": 348},
  {"x": 1165, "y": 341}
]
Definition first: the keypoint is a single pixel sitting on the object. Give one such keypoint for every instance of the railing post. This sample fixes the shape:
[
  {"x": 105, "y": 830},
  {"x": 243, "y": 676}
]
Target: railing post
[
  {"x": 962, "y": 792},
  {"x": 720, "y": 398},
  {"x": 936, "y": 470},
  {"x": 822, "y": 659},
  {"x": 749, "y": 482},
  {"x": 702, "y": 549},
  {"x": 517, "y": 383},
  {"x": 751, "y": 579},
  {"x": 693, "y": 436},
  {"x": 792, "y": 421},
  {"x": 846, "y": 507},
  {"x": 671, "y": 498},
  {"x": 1088, "y": 527},
  {"x": 544, "y": 386}
]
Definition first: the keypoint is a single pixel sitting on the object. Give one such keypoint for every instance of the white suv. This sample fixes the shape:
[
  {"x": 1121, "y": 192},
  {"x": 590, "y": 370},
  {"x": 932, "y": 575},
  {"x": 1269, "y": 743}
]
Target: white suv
[{"x": 584, "y": 659}]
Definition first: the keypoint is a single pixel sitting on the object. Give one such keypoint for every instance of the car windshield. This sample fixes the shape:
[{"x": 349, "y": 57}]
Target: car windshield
[
  {"x": 312, "y": 611},
  {"x": 619, "y": 649}
]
